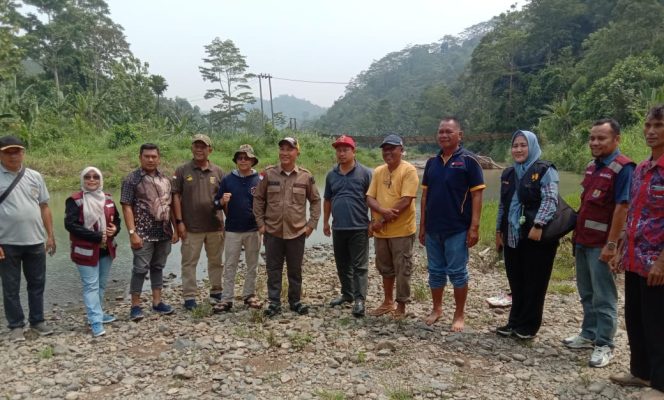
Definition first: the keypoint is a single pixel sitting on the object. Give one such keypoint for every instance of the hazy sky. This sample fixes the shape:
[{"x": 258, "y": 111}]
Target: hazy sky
[{"x": 295, "y": 39}]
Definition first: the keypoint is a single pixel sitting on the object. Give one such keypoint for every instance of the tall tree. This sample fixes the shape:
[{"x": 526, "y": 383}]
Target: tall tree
[
  {"x": 225, "y": 66},
  {"x": 158, "y": 85}
]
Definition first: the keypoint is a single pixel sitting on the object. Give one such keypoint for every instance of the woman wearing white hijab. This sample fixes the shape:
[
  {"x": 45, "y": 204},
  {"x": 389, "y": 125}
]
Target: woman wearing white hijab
[{"x": 93, "y": 221}]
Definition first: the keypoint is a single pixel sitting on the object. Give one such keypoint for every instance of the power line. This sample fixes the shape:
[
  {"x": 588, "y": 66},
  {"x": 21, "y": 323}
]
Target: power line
[{"x": 305, "y": 81}]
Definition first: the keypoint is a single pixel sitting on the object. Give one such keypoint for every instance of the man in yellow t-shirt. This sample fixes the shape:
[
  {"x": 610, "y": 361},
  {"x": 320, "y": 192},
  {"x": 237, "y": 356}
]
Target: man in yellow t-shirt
[{"x": 390, "y": 196}]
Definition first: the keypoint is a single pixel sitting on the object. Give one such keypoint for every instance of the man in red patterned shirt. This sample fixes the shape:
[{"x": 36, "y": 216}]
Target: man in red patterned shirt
[{"x": 643, "y": 262}]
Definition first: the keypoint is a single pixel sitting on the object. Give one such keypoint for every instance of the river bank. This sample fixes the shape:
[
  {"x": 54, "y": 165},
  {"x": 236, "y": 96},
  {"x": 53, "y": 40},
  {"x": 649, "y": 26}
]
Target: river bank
[{"x": 327, "y": 354}]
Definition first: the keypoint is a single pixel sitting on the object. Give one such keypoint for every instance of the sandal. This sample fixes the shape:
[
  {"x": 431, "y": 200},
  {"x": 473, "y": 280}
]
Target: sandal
[
  {"x": 222, "y": 307},
  {"x": 382, "y": 310},
  {"x": 252, "y": 301}
]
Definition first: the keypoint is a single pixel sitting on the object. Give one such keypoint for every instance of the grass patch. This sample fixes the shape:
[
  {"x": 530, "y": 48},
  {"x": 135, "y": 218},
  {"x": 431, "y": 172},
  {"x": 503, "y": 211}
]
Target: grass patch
[
  {"x": 344, "y": 321},
  {"x": 562, "y": 288},
  {"x": 330, "y": 394},
  {"x": 421, "y": 292},
  {"x": 257, "y": 317},
  {"x": 361, "y": 357},
  {"x": 46, "y": 352},
  {"x": 272, "y": 339},
  {"x": 300, "y": 340},
  {"x": 400, "y": 393},
  {"x": 202, "y": 310}
]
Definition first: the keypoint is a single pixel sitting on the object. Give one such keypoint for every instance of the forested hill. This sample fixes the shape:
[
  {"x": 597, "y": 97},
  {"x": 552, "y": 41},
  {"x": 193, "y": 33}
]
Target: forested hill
[
  {"x": 291, "y": 107},
  {"x": 553, "y": 66},
  {"x": 404, "y": 90}
]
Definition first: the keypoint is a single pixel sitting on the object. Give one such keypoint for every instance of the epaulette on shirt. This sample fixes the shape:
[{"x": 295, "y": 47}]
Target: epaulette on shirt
[
  {"x": 261, "y": 175},
  {"x": 311, "y": 176}
]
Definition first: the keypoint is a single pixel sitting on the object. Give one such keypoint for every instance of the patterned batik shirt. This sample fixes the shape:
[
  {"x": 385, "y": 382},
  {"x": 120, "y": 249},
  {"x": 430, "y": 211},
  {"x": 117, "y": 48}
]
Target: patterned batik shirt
[
  {"x": 150, "y": 198},
  {"x": 645, "y": 218}
]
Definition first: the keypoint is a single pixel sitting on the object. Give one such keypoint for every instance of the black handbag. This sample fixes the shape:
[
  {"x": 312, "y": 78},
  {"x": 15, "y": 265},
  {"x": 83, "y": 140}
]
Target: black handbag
[{"x": 563, "y": 222}]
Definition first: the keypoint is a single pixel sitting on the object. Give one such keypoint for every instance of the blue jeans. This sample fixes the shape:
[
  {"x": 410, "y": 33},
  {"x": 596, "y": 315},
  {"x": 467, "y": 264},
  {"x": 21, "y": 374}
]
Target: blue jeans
[
  {"x": 32, "y": 260},
  {"x": 447, "y": 257},
  {"x": 94, "y": 284},
  {"x": 599, "y": 297}
]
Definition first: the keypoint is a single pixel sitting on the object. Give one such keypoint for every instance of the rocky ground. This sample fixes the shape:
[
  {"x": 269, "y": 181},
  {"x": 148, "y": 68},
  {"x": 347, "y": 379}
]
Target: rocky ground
[{"x": 325, "y": 355}]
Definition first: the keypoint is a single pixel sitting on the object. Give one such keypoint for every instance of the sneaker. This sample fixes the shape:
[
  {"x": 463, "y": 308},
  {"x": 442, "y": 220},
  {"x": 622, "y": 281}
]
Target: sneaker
[
  {"x": 601, "y": 356},
  {"x": 505, "y": 331},
  {"x": 300, "y": 308},
  {"x": 272, "y": 310},
  {"x": 16, "y": 335},
  {"x": 107, "y": 319},
  {"x": 578, "y": 342},
  {"x": 42, "y": 329},
  {"x": 98, "y": 329},
  {"x": 524, "y": 336},
  {"x": 163, "y": 308},
  {"x": 190, "y": 304},
  {"x": 215, "y": 298},
  {"x": 136, "y": 313}
]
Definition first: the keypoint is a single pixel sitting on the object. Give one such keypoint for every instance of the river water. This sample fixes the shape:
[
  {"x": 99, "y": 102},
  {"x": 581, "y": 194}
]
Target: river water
[{"x": 63, "y": 287}]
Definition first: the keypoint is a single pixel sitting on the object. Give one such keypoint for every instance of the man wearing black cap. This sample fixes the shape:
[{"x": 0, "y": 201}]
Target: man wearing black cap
[
  {"x": 346, "y": 186},
  {"x": 280, "y": 211},
  {"x": 26, "y": 234},
  {"x": 390, "y": 196}
]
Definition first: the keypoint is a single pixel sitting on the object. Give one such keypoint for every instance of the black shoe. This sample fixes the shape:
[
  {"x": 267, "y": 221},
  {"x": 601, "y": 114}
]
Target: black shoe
[
  {"x": 339, "y": 301},
  {"x": 299, "y": 308},
  {"x": 505, "y": 331},
  {"x": 272, "y": 310},
  {"x": 358, "y": 308},
  {"x": 523, "y": 335}
]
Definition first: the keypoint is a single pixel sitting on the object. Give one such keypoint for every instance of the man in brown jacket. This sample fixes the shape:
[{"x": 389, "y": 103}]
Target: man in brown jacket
[{"x": 280, "y": 211}]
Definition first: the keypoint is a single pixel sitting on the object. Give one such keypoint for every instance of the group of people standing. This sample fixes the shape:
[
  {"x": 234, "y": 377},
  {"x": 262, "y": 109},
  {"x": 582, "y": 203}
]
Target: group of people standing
[{"x": 619, "y": 227}]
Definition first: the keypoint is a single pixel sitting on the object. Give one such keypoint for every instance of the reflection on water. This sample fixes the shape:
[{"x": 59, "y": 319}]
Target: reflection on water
[{"x": 62, "y": 280}]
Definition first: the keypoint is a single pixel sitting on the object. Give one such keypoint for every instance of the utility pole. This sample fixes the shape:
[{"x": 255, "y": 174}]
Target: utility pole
[
  {"x": 269, "y": 81},
  {"x": 260, "y": 91}
]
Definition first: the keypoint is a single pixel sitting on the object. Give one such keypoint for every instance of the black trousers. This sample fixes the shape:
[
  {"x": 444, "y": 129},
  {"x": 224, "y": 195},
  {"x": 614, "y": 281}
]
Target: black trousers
[
  {"x": 351, "y": 254},
  {"x": 644, "y": 318},
  {"x": 528, "y": 269},
  {"x": 276, "y": 250}
]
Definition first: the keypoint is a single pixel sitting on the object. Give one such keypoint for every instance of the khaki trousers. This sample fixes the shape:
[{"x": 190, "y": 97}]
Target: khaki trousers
[
  {"x": 191, "y": 252},
  {"x": 233, "y": 247}
]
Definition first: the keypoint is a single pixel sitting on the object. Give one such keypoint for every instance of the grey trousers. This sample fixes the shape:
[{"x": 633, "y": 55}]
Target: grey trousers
[
  {"x": 233, "y": 248},
  {"x": 351, "y": 254},
  {"x": 149, "y": 258},
  {"x": 276, "y": 251}
]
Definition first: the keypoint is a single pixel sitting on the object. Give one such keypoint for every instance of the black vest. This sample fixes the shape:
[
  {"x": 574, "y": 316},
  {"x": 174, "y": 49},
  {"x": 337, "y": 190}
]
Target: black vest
[{"x": 529, "y": 191}]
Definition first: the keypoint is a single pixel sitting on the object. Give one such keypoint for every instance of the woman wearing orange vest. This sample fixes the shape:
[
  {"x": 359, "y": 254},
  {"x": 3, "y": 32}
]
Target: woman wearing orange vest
[{"x": 93, "y": 221}]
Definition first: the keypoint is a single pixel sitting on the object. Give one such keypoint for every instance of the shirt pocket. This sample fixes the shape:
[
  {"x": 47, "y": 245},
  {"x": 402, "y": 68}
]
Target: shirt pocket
[
  {"x": 274, "y": 194},
  {"x": 656, "y": 203},
  {"x": 299, "y": 195}
]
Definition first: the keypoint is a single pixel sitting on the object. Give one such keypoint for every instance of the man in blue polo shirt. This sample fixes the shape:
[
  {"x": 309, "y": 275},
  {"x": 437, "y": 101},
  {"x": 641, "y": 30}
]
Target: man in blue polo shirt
[
  {"x": 451, "y": 205},
  {"x": 345, "y": 198}
]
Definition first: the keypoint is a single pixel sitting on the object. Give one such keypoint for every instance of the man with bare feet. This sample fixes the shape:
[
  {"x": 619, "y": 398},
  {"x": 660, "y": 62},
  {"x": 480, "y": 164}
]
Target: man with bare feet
[
  {"x": 390, "y": 197},
  {"x": 451, "y": 204}
]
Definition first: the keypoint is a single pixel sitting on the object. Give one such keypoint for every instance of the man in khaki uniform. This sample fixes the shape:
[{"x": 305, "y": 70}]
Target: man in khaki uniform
[
  {"x": 198, "y": 222},
  {"x": 280, "y": 211}
]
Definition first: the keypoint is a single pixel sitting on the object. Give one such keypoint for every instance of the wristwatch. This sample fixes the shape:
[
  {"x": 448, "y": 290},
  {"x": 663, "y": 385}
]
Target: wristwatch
[
  {"x": 178, "y": 221},
  {"x": 611, "y": 246},
  {"x": 132, "y": 231},
  {"x": 538, "y": 226}
]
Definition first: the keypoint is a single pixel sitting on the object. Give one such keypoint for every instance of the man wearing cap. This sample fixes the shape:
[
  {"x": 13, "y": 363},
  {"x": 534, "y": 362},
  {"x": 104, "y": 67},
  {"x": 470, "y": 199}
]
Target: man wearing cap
[
  {"x": 26, "y": 234},
  {"x": 346, "y": 186},
  {"x": 450, "y": 210},
  {"x": 236, "y": 198},
  {"x": 280, "y": 211},
  {"x": 390, "y": 197},
  {"x": 198, "y": 222}
]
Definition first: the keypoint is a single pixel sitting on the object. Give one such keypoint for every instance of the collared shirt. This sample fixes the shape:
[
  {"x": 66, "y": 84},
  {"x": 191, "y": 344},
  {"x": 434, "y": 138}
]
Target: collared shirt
[
  {"x": 146, "y": 193},
  {"x": 623, "y": 180},
  {"x": 448, "y": 185},
  {"x": 20, "y": 213},
  {"x": 347, "y": 194},
  {"x": 388, "y": 188},
  {"x": 197, "y": 188},
  {"x": 280, "y": 202},
  {"x": 645, "y": 218},
  {"x": 240, "y": 209}
]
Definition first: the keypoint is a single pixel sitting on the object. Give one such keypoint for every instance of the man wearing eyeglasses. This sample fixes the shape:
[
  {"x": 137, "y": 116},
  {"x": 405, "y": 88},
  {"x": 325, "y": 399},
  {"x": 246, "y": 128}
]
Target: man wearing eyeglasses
[
  {"x": 198, "y": 222},
  {"x": 26, "y": 235},
  {"x": 390, "y": 196},
  {"x": 280, "y": 210}
]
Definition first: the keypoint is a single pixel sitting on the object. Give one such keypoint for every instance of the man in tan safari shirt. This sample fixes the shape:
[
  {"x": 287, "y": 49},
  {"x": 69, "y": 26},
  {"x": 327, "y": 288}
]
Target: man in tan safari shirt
[{"x": 280, "y": 211}]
